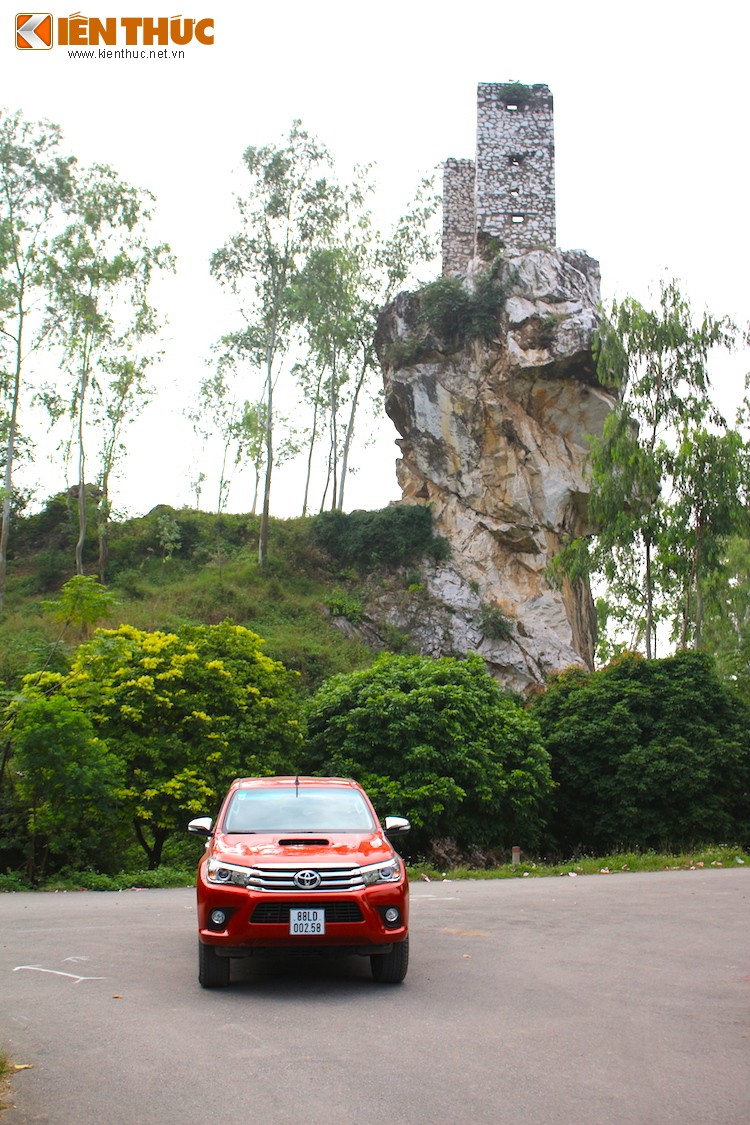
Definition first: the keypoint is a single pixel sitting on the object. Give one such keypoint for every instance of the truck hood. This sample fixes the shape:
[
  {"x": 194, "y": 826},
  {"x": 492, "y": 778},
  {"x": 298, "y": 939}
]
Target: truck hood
[{"x": 319, "y": 849}]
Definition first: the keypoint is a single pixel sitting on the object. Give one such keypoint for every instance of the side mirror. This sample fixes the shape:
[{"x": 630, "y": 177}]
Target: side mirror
[
  {"x": 201, "y": 826},
  {"x": 396, "y": 826}
]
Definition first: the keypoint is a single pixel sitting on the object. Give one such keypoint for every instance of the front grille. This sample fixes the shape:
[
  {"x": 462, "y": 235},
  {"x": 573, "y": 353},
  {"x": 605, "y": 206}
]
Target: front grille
[
  {"x": 278, "y": 912},
  {"x": 348, "y": 878}
]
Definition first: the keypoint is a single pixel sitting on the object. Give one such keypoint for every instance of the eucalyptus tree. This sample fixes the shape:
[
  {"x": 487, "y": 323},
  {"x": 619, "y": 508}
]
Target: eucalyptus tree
[
  {"x": 726, "y": 618},
  {"x": 327, "y": 296},
  {"x": 666, "y": 473},
  {"x": 711, "y": 482},
  {"x": 218, "y": 413},
  {"x": 338, "y": 298},
  {"x": 121, "y": 393},
  {"x": 103, "y": 264},
  {"x": 36, "y": 185},
  {"x": 288, "y": 208}
]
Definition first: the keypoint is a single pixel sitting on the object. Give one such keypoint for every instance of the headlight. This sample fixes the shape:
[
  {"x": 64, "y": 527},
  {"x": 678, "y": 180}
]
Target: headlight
[
  {"x": 218, "y": 872},
  {"x": 389, "y": 872}
]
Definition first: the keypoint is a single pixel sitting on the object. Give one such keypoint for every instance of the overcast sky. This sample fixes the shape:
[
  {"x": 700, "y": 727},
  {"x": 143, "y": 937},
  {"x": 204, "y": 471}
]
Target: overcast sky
[{"x": 651, "y": 133}]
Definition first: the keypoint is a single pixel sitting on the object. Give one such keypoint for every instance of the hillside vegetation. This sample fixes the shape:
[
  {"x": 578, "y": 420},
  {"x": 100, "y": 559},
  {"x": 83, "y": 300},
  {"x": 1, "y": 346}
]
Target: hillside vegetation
[
  {"x": 128, "y": 707},
  {"x": 172, "y": 568}
]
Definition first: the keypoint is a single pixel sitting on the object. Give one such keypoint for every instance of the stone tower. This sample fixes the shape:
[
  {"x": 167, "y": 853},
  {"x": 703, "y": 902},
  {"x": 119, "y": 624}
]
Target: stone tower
[{"x": 506, "y": 196}]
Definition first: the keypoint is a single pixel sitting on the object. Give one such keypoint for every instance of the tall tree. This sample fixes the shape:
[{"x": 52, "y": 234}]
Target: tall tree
[
  {"x": 103, "y": 266},
  {"x": 36, "y": 183},
  {"x": 289, "y": 206},
  {"x": 711, "y": 478},
  {"x": 121, "y": 393},
  {"x": 659, "y": 514},
  {"x": 338, "y": 297},
  {"x": 726, "y": 622},
  {"x": 216, "y": 412},
  {"x": 182, "y": 714}
]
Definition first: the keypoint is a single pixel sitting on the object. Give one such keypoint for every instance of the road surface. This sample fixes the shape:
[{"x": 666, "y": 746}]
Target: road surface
[{"x": 599, "y": 1000}]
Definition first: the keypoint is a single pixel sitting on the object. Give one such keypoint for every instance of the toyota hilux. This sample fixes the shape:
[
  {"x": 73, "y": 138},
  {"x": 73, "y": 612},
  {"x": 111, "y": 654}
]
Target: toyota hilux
[{"x": 300, "y": 864}]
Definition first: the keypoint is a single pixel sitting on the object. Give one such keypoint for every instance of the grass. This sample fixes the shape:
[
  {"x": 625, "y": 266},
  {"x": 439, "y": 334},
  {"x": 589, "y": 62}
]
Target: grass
[
  {"x": 615, "y": 864},
  {"x": 6, "y": 1069},
  {"x": 94, "y": 881},
  {"x": 718, "y": 856},
  {"x": 287, "y": 604}
]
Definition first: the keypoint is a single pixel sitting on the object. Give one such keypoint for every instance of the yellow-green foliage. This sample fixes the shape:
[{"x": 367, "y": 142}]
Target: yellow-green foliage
[{"x": 183, "y": 713}]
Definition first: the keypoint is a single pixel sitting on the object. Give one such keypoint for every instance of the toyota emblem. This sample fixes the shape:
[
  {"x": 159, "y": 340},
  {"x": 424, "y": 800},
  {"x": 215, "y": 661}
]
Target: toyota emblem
[{"x": 307, "y": 880}]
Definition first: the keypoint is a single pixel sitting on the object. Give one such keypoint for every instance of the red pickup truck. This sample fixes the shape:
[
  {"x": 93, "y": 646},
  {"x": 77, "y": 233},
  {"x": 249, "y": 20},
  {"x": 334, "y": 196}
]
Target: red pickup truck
[{"x": 301, "y": 863}]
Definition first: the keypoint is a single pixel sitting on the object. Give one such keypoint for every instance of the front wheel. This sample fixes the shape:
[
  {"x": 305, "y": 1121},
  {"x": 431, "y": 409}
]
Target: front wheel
[
  {"x": 213, "y": 971},
  {"x": 390, "y": 968}
]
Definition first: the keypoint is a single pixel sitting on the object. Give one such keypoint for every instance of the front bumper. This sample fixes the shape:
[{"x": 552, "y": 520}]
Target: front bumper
[{"x": 255, "y": 921}]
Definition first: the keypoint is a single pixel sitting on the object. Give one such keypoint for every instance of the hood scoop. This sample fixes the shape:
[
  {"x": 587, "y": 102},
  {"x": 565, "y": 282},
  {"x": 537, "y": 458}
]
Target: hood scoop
[{"x": 303, "y": 842}]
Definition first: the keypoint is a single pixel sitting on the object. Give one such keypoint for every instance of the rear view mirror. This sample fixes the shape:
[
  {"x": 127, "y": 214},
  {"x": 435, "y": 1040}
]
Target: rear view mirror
[
  {"x": 201, "y": 826},
  {"x": 396, "y": 825}
]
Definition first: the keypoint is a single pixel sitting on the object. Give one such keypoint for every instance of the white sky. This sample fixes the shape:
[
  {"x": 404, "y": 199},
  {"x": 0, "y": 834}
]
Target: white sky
[{"x": 651, "y": 131}]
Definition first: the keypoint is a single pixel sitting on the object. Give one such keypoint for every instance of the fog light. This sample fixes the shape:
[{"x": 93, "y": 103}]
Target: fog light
[
  {"x": 391, "y": 914},
  {"x": 218, "y": 917}
]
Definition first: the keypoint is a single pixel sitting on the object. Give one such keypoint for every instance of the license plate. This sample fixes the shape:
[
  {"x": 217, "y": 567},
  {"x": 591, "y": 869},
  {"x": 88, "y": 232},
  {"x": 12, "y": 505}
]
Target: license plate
[{"x": 306, "y": 921}]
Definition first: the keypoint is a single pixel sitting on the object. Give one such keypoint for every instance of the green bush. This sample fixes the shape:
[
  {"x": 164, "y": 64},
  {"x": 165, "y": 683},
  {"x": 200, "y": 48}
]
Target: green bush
[
  {"x": 390, "y": 536},
  {"x": 68, "y": 783},
  {"x": 457, "y": 314},
  {"x": 178, "y": 715},
  {"x": 446, "y": 307},
  {"x": 647, "y": 754},
  {"x": 52, "y": 533},
  {"x": 494, "y": 624},
  {"x": 436, "y": 741},
  {"x": 342, "y": 604},
  {"x": 11, "y": 881}
]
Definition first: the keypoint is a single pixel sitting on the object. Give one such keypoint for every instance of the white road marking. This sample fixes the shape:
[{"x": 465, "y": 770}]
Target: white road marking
[{"x": 55, "y": 972}]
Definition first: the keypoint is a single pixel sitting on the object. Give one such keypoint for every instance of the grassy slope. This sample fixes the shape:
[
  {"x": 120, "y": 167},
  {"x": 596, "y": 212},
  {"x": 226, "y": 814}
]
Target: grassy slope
[{"x": 207, "y": 579}]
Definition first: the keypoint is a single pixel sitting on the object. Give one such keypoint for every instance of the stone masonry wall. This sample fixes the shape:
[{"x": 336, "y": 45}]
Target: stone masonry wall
[
  {"x": 459, "y": 214},
  {"x": 512, "y": 198}
]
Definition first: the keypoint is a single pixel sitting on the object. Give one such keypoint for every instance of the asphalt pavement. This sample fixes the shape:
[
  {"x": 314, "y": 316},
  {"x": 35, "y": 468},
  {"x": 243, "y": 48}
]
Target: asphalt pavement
[{"x": 618, "y": 999}]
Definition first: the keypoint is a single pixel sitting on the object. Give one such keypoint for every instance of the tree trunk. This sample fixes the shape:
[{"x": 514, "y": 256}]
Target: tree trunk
[
  {"x": 313, "y": 437},
  {"x": 263, "y": 536},
  {"x": 649, "y": 602},
  {"x": 103, "y": 531},
  {"x": 82, "y": 387},
  {"x": 334, "y": 408},
  {"x": 349, "y": 432},
  {"x": 698, "y": 640},
  {"x": 153, "y": 851},
  {"x": 10, "y": 454}
]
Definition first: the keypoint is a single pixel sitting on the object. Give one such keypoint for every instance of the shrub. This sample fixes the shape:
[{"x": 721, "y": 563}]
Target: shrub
[
  {"x": 390, "y": 536},
  {"x": 494, "y": 624},
  {"x": 68, "y": 782},
  {"x": 437, "y": 741},
  {"x": 182, "y": 713},
  {"x": 457, "y": 314},
  {"x": 446, "y": 307},
  {"x": 342, "y": 604},
  {"x": 647, "y": 754}
]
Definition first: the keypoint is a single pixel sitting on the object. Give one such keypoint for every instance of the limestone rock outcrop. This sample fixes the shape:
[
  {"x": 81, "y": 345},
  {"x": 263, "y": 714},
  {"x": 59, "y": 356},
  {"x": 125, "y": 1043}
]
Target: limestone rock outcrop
[{"x": 494, "y": 437}]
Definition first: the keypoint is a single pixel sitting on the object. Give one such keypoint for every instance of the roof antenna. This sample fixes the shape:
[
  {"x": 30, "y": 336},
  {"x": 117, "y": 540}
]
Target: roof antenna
[{"x": 296, "y": 786}]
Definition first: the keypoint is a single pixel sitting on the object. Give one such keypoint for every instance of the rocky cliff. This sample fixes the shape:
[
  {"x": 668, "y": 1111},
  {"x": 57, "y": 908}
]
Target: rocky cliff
[{"x": 494, "y": 414}]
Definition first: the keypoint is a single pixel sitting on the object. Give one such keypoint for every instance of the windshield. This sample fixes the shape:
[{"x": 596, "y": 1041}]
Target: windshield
[{"x": 298, "y": 809}]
